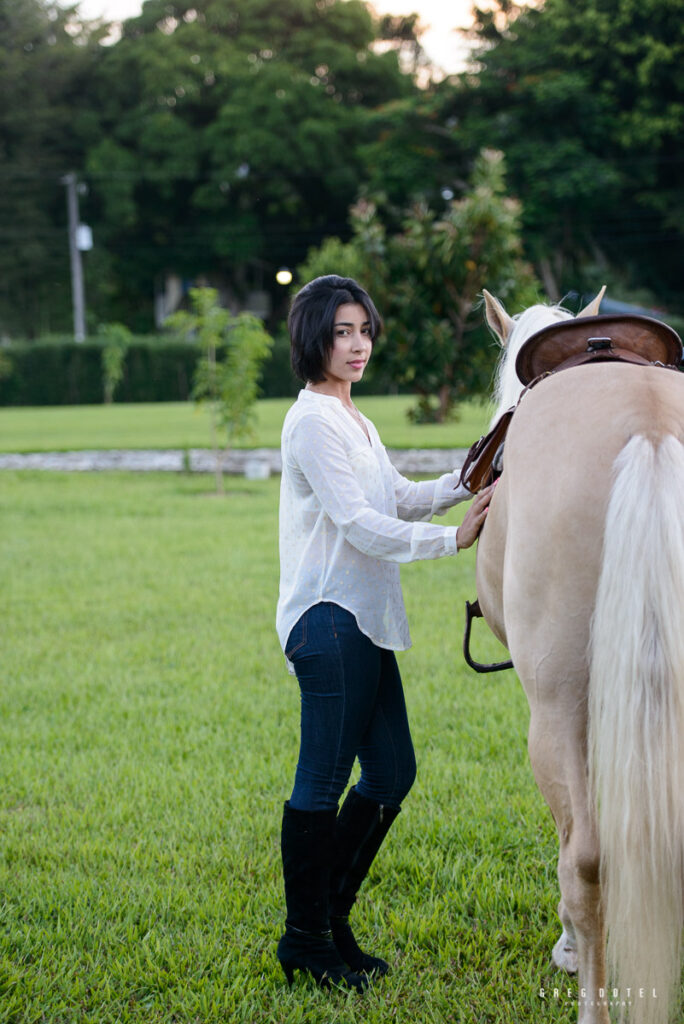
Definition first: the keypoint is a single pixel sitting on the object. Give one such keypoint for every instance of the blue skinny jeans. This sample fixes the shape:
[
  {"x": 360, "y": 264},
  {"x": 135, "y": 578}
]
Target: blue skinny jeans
[{"x": 352, "y": 705}]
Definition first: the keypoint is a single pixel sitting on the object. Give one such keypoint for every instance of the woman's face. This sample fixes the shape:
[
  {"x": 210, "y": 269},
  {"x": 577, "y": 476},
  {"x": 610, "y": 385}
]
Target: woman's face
[{"x": 352, "y": 344}]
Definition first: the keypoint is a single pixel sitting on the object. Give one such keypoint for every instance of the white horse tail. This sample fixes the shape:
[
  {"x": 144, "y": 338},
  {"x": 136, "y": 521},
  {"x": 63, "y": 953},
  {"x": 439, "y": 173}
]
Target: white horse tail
[{"x": 636, "y": 725}]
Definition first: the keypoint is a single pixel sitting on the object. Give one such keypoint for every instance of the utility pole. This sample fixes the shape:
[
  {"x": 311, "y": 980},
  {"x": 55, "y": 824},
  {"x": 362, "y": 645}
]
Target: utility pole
[{"x": 77, "y": 292}]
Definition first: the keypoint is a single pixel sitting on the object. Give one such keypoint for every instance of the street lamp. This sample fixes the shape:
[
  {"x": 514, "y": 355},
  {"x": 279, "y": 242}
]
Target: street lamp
[{"x": 284, "y": 276}]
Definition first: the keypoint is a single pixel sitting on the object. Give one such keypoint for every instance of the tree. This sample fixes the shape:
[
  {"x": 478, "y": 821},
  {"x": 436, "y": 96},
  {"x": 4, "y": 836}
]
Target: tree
[
  {"x": 115, "y": 341},
  {"x": 427, "y": 281},
  {"x": 45, "y": 55},
  {"x": 414, "y": 152},
  {"x": 229, "y": 138},
  {"x": 217, "y": 141},
  {"x": 586, "y": 99},
  {"x": 227, "y": 376}
]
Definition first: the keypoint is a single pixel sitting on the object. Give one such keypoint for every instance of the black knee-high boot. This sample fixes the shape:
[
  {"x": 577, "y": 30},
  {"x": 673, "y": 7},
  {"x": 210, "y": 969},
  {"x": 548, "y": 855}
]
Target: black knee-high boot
[
  {"x": 361, "y": 826},
  {"x": 307, "y": 945}
]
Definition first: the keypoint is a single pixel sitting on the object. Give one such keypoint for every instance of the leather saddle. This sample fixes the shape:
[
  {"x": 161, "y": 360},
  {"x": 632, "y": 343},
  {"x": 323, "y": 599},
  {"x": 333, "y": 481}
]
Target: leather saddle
[
  {"x": 574, "y": 342},
  {"x": 624, "y": 338}
]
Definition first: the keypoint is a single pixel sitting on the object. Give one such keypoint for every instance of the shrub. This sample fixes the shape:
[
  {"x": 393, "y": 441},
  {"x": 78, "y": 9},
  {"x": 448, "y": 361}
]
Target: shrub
[{"x": 155, "y": 369}]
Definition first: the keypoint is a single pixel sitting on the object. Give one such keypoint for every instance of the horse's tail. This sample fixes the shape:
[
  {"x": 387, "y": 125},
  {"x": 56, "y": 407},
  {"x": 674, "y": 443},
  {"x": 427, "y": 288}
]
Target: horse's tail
[{"x": 636, "y": 716}]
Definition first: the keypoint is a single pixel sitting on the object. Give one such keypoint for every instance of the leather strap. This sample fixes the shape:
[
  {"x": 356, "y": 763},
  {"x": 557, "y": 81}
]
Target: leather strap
[{"x": 477, "y": 471}]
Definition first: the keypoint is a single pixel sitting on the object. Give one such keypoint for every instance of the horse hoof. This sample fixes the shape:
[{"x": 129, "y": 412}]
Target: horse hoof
[{"x": 565, "y": 955}]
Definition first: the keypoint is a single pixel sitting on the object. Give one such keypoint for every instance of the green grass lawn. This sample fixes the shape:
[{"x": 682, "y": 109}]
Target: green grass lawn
[
  {"x": 148, "y": 736},
  {"x": 184, "y": 425}
]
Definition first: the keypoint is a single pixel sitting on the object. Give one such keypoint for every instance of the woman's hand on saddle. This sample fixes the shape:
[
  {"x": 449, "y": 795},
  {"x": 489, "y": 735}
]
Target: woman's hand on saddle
[{"x": 474, "y": 518}]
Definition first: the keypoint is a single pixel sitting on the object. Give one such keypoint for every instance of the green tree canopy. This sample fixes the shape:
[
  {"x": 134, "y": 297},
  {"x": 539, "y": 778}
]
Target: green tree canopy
[
  {"x": 214, "y": 139},
  {"x": 586, "y": 98},
  {"x": 219, "y": 141},
  {"x": 45, "y": 58},
  {"x": 231, "y": 135}
]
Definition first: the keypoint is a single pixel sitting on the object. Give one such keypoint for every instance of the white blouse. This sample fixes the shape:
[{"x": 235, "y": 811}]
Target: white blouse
[{"x": 347, "y": 518}]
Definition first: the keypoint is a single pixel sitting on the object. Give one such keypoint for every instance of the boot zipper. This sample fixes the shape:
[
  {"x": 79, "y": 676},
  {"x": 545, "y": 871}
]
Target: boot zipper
[
  {"x": 353, "y": 862},
  {"x": 375, "y": 822}
]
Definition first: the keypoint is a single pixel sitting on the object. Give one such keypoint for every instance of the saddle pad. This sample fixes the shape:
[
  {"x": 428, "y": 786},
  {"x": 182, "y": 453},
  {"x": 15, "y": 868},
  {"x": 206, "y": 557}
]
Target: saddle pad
[{"x": 650, "y": 339}]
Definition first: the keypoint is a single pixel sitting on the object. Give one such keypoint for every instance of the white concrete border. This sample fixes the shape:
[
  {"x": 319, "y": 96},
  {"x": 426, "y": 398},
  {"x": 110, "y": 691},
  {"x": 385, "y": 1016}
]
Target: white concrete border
[{"x": 201, "y": 460}]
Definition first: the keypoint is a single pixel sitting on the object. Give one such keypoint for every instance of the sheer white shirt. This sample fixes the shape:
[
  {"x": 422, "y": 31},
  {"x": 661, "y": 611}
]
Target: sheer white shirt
[{"x": 348, "y": 518}]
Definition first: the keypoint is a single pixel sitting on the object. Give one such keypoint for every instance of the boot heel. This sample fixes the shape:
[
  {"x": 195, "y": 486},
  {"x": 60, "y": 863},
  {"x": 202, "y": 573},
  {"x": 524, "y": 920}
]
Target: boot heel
[
  {"x": 316, "y": 956},
  {"x": 288, "y": 970}
]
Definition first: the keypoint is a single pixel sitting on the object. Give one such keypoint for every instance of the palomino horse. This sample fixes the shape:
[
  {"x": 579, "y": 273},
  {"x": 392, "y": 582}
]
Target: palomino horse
[{"x": 580, "y": 573}]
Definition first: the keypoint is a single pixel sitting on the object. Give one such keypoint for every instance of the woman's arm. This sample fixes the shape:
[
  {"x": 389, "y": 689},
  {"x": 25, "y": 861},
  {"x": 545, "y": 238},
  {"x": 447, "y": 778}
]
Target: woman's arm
[
  {"x": 320, "y": 456},
  {"x": 427, "y": 498}
]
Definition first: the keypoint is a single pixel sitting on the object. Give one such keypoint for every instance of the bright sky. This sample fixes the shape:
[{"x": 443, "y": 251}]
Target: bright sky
[
  {"x": 445, "y": 46},
  {"x": 439, "y": 17}
]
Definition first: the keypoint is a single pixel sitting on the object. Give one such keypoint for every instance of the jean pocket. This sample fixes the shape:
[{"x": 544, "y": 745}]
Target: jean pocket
[{"x": 297, "y": 638}]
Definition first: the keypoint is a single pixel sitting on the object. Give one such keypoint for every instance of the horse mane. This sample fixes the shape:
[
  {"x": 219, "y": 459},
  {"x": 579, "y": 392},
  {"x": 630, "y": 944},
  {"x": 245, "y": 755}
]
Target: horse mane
[{"x": 507, "y": 386}]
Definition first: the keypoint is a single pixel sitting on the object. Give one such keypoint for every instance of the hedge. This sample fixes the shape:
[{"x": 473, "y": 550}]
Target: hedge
[
  {"x": 66, "y": 373},
  {"x": 62, "y": 372}
]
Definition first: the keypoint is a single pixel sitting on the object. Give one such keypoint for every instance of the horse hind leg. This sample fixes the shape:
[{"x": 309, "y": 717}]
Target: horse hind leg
[
  {"x": 582, "y": 917},
  {"x": 559, "y": 766}
]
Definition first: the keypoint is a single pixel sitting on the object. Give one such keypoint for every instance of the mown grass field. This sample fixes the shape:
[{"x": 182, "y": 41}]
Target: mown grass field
[
  {"x": 184, "y": 425},
  {"x": 148, "y": 735}
]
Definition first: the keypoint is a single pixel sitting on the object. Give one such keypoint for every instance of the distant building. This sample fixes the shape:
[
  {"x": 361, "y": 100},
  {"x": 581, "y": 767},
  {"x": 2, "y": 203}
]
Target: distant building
[{"x": 171, "y": 294}]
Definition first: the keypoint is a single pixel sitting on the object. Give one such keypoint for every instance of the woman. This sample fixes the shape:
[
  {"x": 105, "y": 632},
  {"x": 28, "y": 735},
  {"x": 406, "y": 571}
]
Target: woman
[{"x": 347, "y": 519}]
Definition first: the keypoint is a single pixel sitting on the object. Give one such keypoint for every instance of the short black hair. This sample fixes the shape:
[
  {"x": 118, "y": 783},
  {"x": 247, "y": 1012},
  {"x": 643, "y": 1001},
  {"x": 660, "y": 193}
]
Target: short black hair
[{"x": 311, "y": 322}]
